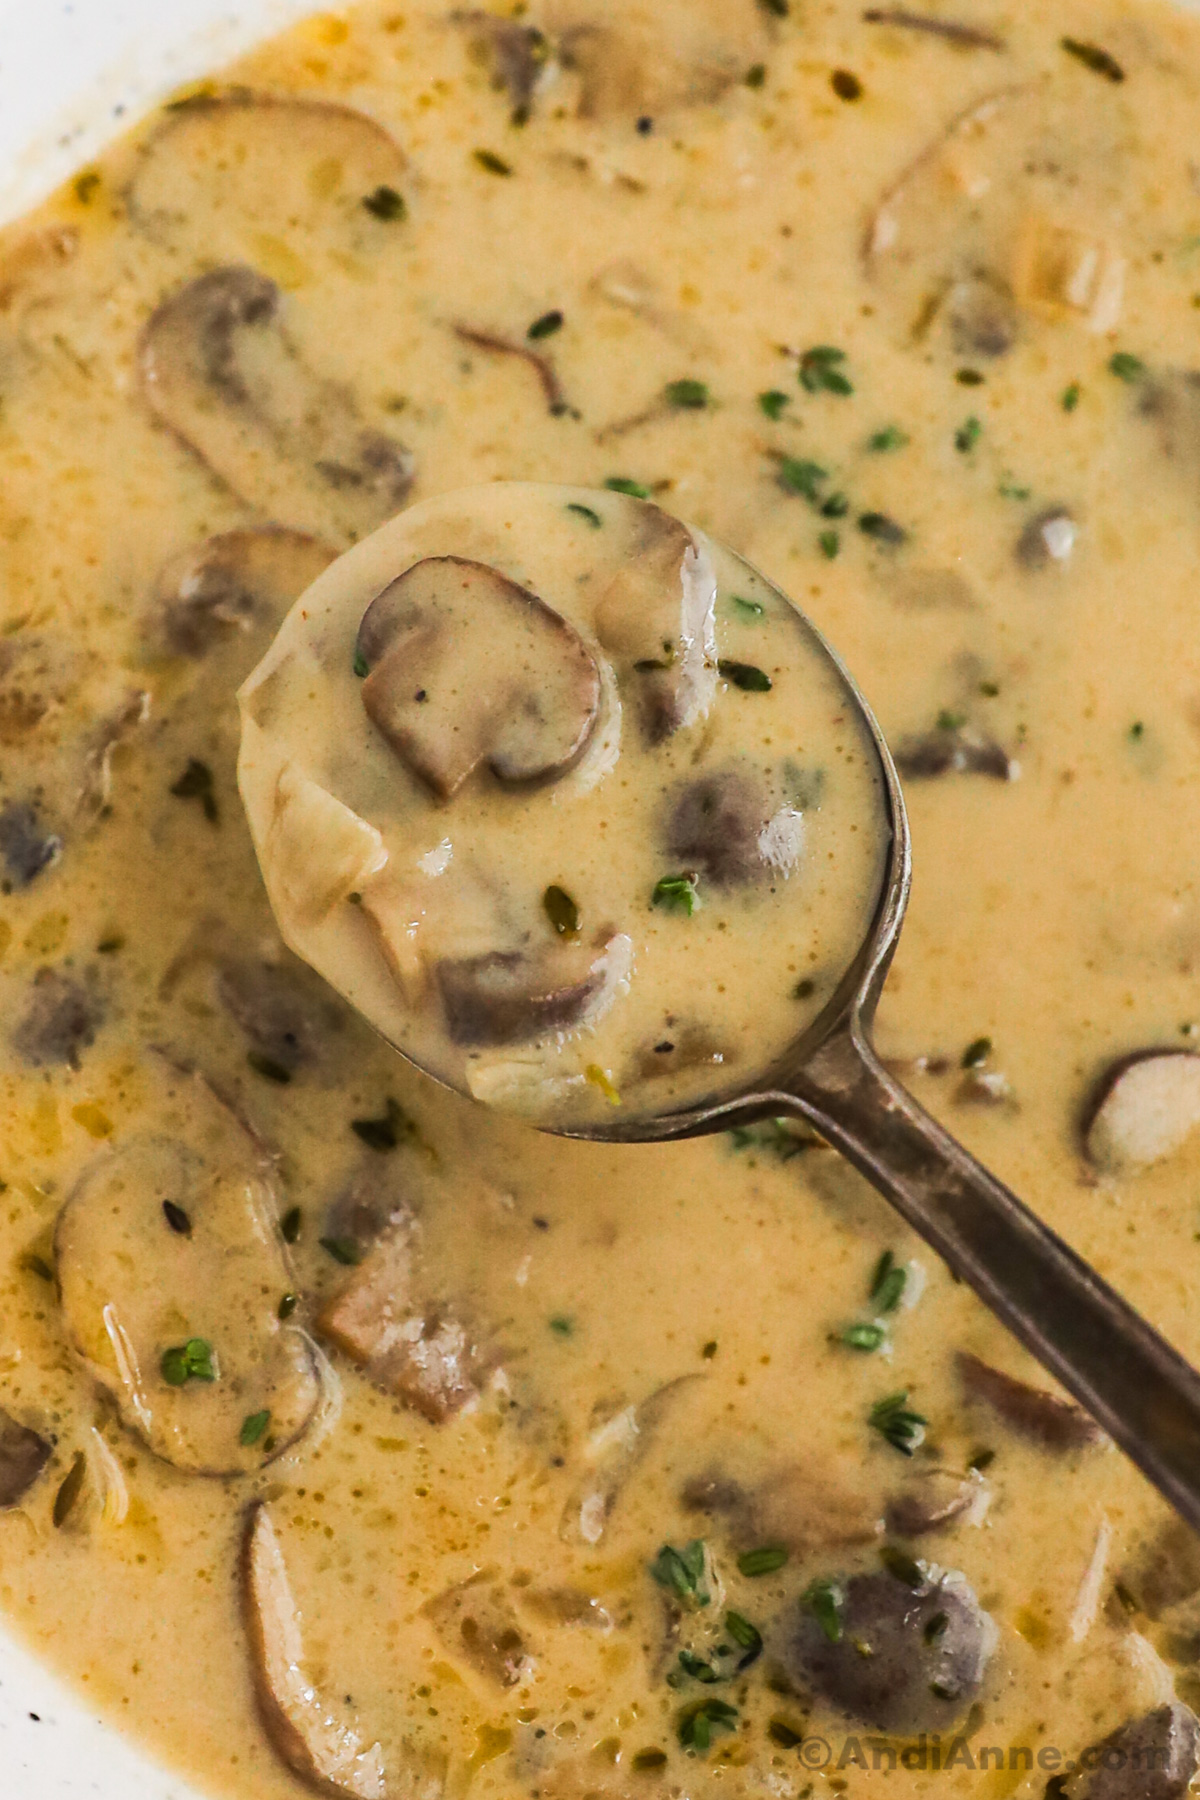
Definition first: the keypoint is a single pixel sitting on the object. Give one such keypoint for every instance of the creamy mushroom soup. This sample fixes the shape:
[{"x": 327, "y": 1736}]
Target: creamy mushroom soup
[
  {"x": 354, "y": 1437},
  {"x": 520, "y": 796}
]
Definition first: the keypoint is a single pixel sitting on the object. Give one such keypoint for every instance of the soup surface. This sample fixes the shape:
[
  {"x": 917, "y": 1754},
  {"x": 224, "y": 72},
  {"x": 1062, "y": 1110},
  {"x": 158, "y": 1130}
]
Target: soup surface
[
  {"x": 353, "y": 1436},
  {"x": 513, "y": 793}
]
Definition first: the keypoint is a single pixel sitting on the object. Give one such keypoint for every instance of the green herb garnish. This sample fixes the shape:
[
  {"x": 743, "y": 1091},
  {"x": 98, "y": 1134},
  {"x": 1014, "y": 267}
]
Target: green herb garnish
[
  {"x": 745, "y": 676},
  {"x": 343, "y": 1250},
  {"x": 846, "y": 85},
  {"x": 386, "y": 1133},
  {"x": 546, "y": 325},
  {"x": 884, "y": 530},
  {"x": 1126, "y": 367},
  {"x": 495, "y": 165},
  {"x": 362, "y": 667},
  {"x": 682, "y": 1573},
  {"x": 1008, "y": 489},
  {"x": 697, "y": 1724},
  {"x": 69, "y": 1490},
  {"x": 386, "y": 204},
  {"x": 968, "y": 434},
  {"x": 177, "y": 1219},
  {"x": 969, "y": 378},
  {"x": 289, "y": 1225},
  {"x": 824, "y": 1599},
  {"x": 762, "y": 1561},
  {"x": 677, "y": 892},
  {"x": 1137, "y": 731},
  {"x": 1093, "y": 57},
  {"x": 746, "y": 609},
  {"x": 835, "y": 507},
  {"x": 783, "y": 1734},
  {"x": 890, "y": 438},
  {"x": 888, "y": 1283},
  {"x": 688, "y": 394},
  {"x": 643, "y": 1760},
  {"x": 254, "y": 1427},
  {"x": 1071, "y": 396},
  {"x": 904, "y": 1567},
  {"x": 196, "y": 783},
  {"x": 561, "y": 911},
  {"x": 561, "y": 1326},
  {"x": 976, "y": 1053},
  {"x": 288, "y": 1305},
  {"x": 746, "y": 1636},
  {"x": 193, "y": 1361},
  {"x": 622, "y": 484},
  {"x": 268, "y": 1068},
  {"x": 903, "y": 1429},
  {"x": 821, "y": 371},
  {"x": 830, "y": 543},
  {"x": 865, "y": 1336},
  {"x": 698, "y": 1669},
  {"x": 756, "y": 75},
  {"x": 773, "y": 402},
  {"x": 776, "y": 1135},
  {"x": 585, "y": 512},
  {"x": 798, "y": 475}
]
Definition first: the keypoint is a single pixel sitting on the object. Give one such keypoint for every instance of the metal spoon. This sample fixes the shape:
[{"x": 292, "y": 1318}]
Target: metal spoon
[{"x": 1103, "y": 1352}]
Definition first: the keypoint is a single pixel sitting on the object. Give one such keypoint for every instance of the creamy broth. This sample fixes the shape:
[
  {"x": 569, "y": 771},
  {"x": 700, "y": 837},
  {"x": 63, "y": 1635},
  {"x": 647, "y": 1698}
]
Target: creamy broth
[
  {"x": 906, "y": 313},
  {"x": 529, "y": 917}
]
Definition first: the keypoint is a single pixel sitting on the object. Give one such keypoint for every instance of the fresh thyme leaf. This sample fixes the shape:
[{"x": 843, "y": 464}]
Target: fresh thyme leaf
[
  {"x": 288, "y": 1305},
  {"x": 682, "y": 1573},
  {"x": 773, "y": 402},
  {"x": 779, "y": 9},
  {"x": 904, "y": 1567},
  {"x": 799, "y": 475},
  {"x": 268, "y": 1068},
  {"x": 677, "y": 892},
  {"x": 968, "y": 434},
  {"x": 1137, "y": 731},
  {"x": 196, "y": 783},
  {"x": 746, "y": 1636},
  {"x": 561, "y": 1326},
  {"x": 976, "y": 1053},
  {"x": 343, "y": 1250},
  {"x": 783, "y": 1734},
  {"x": 903, "y": 1429},
  {"x": 950, "y": 721},
  {"x": 890, "y": 438},
  {"x": 969, "y": 378},
  {"x": 1071, "y": 396},
  {"x": 585, "y": 512},
  {"x": 824, "y": 1599},
  {"x": 846, "y": 85},
  {"x": 561, "y": 911},
  {"x": 1126, "y": 367},
  {"x": 546, "y": 325},
  {"x": 86, "y": 186},
  {"x": 386, "y": 1133},
  {"x": 764, "y": 1560},
  {"x": 177, "y": 1219},
  {"x": 622, "y": 484},
  {"x": 289, "y": 1225},
  {"x": 746, "y": 609},
  {"x": 362, "y": 667},
  {"x": 69, "y": 1490},
  {"x": 745, "y": 676},
  {"x": 835, "y": 507},
  {"x": 495, "y": 165},
  {"x": 1013, "y": 490},
  {"x": 888, "y": 1283},
  {"x": 981, "y": 1460},
  {"x": 1094, "y": 57},
  {"x": 687, "y": 394},
  {"x": 865, "y": 1335},
  {"x": 386, "y": 204},
  {"x": 821, "y": 371},
  {"x": 884, "y": 530},
  {"x": 776, "y": 1135},
  {"x": 830, "y": 543},
  {"x": 697, "y": 1724},
  {"x": 193, "y": 1361},
  {"x": 756, "y": 75},
  {"x": 652, "y": 1758},
  {"x": 698, "y": 1669},
  {"x": 254, "y": 1427}
]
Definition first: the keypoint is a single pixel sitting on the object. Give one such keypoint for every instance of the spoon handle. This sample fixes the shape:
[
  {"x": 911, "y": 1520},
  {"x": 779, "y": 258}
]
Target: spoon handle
[{"x": 1104, "y": 1353}]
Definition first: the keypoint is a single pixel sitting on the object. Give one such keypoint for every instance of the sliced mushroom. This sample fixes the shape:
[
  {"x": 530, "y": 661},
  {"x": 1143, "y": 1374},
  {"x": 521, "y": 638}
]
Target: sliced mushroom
[
  {"x": 328, "y": 1754},
  {"x": 317, "y": 850},
  {"x": 983, "y": 317},
  {"x": 139, "y": 1294},
  {"x": 612, "y": 1451},
  {"x": 1045, "y": 1418},
  {"x": 237, "y": 585},
  {"x": 1171, "y": 401},
  {"x": 643, "y": 64},
  {"x": 658, "y": 621},
  {"x": 60, "y": 1022},
  {"x": 517, "y": 997},
  {"x": 518, "y": 55},
  {"x": 1143, "y": 1109},
  {"x": 1151, "y": 1758},
  {"x": 221, "y": 172},
  {"x": 23, "y": 1456},
  {"x": 465, "y": 668},
  {"x": 795, "y": 1506},
  {"x": 476, "y": 1622},
  {"x": 1166, "y": 1571},
  {"x": 568, "y": 1606},
  {"x": 26, "y": 846},
  {"x": 900, "y": 1658},
  {"x": 935, "y": 1500},
  {"x": 958, "y": 750},
  {"x": 730, "y": 829},
  {"x": 281, "y": 1010},
  {"x": 220, "y": 370},
  {"x": 1048, "y": 538},
  {"x": 418, "y": 1352}
]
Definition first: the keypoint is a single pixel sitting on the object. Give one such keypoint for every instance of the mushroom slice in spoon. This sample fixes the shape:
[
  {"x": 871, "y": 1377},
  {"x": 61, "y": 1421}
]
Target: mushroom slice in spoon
[
  {"x": 465, "y": 667},
  {"x": 171, "y": 1269},
  {"x": 658, "y": 622},
  {"x": 317, "y": 850},
  {"x": 328, "y": 1754},
  {"x": 219, "y": 368},
  {"x": 222, "y": 170},
  {"x": 23, "y": 1456},
  {"x": 513, "y": 997}
]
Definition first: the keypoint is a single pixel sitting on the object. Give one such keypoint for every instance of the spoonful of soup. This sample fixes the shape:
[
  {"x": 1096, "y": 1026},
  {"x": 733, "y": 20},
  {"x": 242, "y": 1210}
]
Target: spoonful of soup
[{"x": 589, "y": 821}]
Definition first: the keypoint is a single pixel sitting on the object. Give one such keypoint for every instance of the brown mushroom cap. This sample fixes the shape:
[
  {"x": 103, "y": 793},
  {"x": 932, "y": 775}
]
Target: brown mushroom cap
[
  {"x": 658, "y": 622},
  {"x": 133, "y": 1285},
  {"x": 466, "y": 667},
  {"x": 219, "y": 369},
  {"x": 1047, "y": 1419},
  {"x": 1143, "y": 1108},
  {"x": 23, "y": 1456},
  {"x": 516, "y": 997}
]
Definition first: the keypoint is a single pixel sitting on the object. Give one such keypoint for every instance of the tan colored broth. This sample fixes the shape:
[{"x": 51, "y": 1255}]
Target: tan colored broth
[{"x": 1055, "y": 914}]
